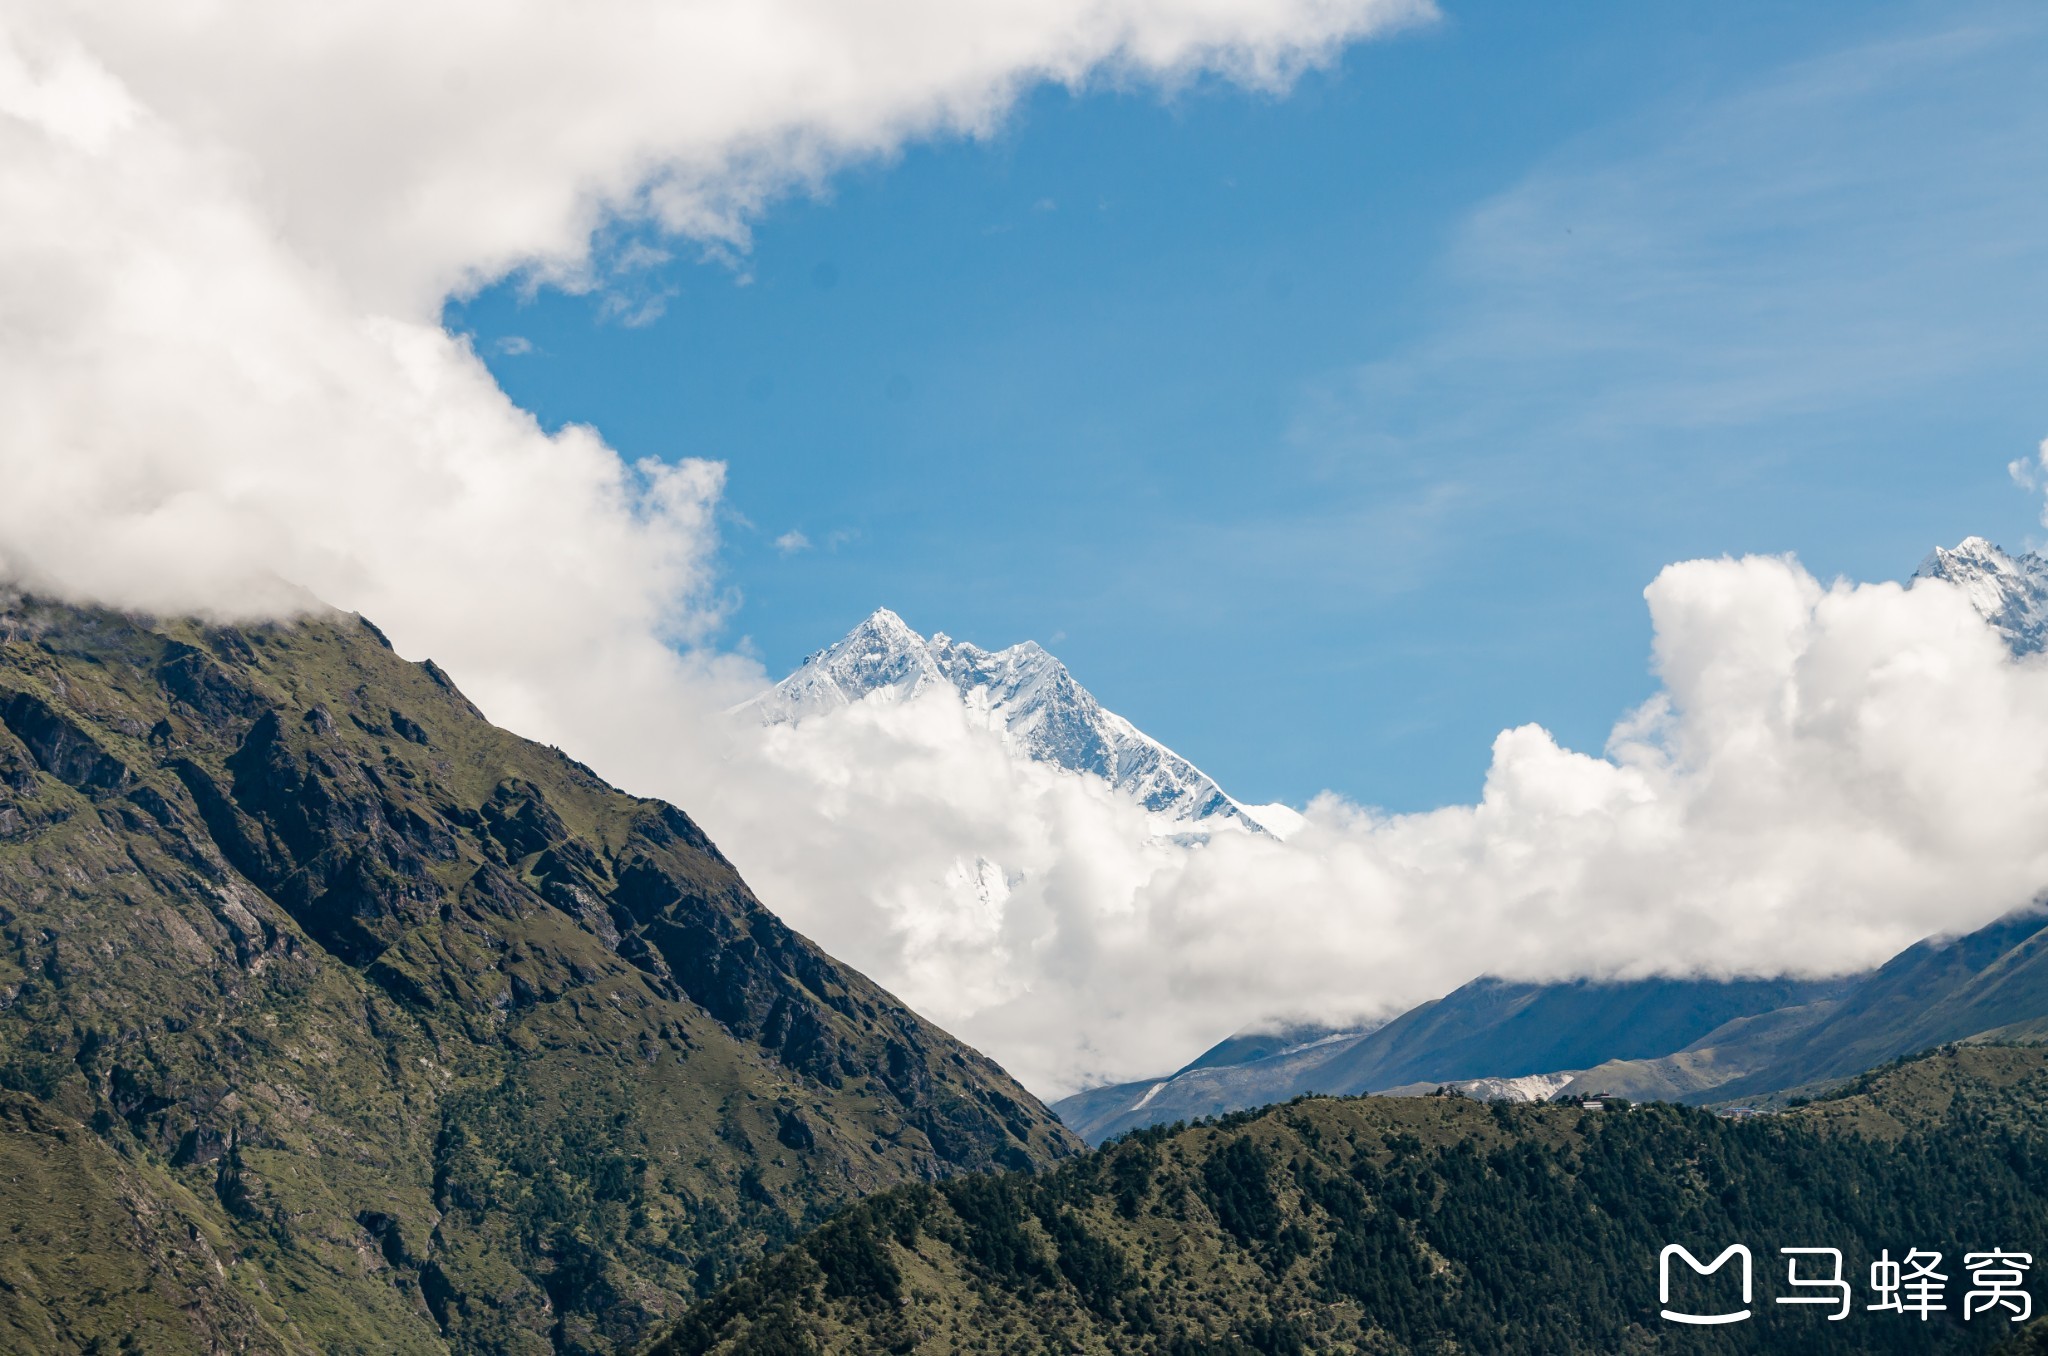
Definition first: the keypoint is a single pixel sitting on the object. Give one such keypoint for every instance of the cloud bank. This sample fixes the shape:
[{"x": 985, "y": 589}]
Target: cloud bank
[
  {"x": 225, "y": 235},
  {"x": 1828, "y": 774},
  {"x": 227, "y": 231}
]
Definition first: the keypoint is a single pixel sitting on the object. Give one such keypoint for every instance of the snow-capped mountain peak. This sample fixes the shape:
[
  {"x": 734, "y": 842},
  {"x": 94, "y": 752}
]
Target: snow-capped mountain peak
[
  {"x": 2011, "y": 592},
  {"x": 880, "y": 654},
  {"x": 1029, "y": 697}
]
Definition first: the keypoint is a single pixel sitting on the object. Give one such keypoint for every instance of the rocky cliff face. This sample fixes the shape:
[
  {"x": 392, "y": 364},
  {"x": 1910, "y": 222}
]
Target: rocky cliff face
[{"x": 334, "y": 1018}]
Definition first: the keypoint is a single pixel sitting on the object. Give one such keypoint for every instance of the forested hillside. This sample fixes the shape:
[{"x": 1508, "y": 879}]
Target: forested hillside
[
  {"x": 335, "y": 1019},
  {"x": 1432, "y": 1224}
]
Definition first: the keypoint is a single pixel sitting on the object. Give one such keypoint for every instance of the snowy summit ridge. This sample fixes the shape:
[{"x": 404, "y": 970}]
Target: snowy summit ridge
[
  {"x": 2010, "y": 592},
  {"x": 1029, "y": 697}
]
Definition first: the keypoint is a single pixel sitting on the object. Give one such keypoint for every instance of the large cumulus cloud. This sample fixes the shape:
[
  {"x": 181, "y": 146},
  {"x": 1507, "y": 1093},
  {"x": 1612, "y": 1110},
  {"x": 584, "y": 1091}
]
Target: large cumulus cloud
[
  {"x": 226, "y": 231},
  {"x": 1828, "y": 773}
]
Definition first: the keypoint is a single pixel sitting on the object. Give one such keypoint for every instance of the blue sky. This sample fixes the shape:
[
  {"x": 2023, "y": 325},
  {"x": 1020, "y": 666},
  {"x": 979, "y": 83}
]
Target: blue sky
[{"x": 1326, "y": 435}]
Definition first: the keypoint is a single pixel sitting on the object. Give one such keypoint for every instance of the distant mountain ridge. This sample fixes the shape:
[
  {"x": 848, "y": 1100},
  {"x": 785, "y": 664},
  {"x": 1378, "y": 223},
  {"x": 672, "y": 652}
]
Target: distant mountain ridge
[
  {"x": 1746, "y": 1039},
  {"x": 1717, "y": 1040},
  {"x": 1488, "y": 1029},
  {"x": 1031, "y": 699},
  {"x": 1987, "y": 985}
]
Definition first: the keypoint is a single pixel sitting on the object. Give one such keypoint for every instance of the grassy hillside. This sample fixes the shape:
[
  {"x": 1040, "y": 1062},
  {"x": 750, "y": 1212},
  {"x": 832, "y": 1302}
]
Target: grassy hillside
[
  {"x": 1437, "y": 1225},
  {"x": 333, "y": 1018}
]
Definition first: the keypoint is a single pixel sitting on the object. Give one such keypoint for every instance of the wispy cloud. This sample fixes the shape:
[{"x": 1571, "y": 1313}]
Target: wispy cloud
[
  {"x": 791, "y": 542},
  {"x": 635, "y": 308},
  {"x": 1854, "y": 232},
  {"x": 326, "y": 199},
  {"x": 2031, "y": 473}
]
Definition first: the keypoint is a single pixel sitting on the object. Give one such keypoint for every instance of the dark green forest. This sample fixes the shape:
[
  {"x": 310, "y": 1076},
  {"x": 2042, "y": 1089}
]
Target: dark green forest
[{"x": 1430, "y": 1225}]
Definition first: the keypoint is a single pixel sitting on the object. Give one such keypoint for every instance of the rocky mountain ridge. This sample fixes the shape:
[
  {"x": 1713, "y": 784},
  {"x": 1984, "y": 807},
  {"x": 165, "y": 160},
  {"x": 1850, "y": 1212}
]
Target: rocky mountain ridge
[
  {"x": 333, "y": 1018},
  {"x": 1028, "y": 697}
]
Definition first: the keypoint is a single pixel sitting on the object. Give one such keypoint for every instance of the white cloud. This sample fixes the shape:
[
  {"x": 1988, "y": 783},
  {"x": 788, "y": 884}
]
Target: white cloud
[
  {"x": 225, "y": 235},
  {"x": 1828, "y": 774},
  {"x": 227, "y": 231},
  {"x": 413, "y": 149},
  {"x": 2026, "y": 472},
  {"x": 791, "y": 542}
]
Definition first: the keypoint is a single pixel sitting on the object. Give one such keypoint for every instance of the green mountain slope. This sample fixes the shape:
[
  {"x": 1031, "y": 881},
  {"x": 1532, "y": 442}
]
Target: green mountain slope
[
  {"x": 1426, "y": 1224},
  {"x": 333, "y": 1018}
]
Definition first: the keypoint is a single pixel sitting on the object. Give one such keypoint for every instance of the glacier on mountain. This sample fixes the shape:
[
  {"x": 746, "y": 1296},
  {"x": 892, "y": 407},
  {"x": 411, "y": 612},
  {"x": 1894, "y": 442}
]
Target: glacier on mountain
[{"x": 1029, "y": 698}]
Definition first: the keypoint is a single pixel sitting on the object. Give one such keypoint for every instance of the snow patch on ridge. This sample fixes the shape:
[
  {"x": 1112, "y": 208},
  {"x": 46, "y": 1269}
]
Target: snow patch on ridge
[{"x": 1150, "y": 1093}]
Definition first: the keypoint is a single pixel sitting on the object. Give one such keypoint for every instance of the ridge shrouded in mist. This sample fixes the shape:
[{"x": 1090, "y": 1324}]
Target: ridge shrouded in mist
[{"x": 1028, "y": 697}]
